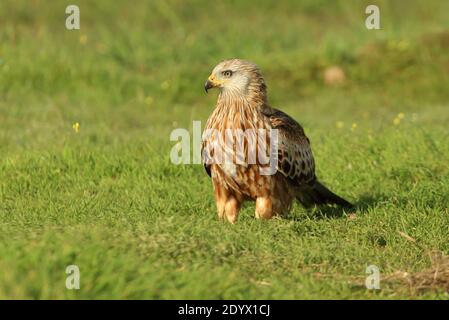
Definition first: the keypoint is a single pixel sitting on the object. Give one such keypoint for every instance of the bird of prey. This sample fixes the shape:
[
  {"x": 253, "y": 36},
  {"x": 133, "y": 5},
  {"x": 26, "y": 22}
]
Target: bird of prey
[{"x": 242, "y": 106}]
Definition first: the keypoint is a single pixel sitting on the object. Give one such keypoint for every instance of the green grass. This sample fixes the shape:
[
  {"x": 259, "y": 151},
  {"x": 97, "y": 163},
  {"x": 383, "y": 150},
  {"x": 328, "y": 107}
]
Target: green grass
[{"x": 108, "y": 199}]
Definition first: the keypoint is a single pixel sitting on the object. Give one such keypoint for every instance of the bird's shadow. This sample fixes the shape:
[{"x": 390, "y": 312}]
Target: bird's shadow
[{"x": 361, "y": 206}]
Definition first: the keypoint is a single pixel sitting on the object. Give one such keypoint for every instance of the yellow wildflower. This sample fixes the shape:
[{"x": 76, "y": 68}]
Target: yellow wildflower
[
  {"x": 83, "y": 39},
  {"x": 76, "y": 127}
]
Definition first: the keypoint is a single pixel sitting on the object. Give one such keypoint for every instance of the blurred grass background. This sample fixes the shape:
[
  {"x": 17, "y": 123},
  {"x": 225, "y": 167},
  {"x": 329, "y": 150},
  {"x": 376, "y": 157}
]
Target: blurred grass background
[{"x": 108, "y": 198}]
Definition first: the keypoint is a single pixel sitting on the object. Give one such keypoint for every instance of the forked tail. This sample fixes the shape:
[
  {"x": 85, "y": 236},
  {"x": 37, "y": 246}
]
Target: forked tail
[{"x": 318, "y": 194}]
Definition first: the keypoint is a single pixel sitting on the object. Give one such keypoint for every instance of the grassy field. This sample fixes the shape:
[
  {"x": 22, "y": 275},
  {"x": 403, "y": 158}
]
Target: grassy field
[{"x": 107, "y": 198}]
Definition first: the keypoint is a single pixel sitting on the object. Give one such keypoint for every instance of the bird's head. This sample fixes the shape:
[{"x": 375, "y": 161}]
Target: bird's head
[{"x": 236, "y": 76}]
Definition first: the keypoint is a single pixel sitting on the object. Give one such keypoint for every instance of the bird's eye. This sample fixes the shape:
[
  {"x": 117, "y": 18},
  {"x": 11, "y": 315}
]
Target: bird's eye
[{"x": 227, "y": 73}]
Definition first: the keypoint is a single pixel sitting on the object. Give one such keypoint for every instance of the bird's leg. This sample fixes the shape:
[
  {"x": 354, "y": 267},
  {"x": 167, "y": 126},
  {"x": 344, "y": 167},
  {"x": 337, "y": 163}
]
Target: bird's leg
[
  {"x": 220, "y": 208},
  {"x": 229, "y": 208},
  {"x": 264, "y": 208},
  {"x": 228, "y": 205},
  {"x": 232, "y": 208},
  {"x": 221, "y": 196}
]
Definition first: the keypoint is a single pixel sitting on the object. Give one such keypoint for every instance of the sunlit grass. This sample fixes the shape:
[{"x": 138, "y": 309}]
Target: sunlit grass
[{"x": 85, "y": 176}]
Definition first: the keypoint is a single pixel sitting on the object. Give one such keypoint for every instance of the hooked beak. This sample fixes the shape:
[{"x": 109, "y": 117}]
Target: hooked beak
[
  {"x": 208, "y": 85},
  {"x": 212, "y": 82}
]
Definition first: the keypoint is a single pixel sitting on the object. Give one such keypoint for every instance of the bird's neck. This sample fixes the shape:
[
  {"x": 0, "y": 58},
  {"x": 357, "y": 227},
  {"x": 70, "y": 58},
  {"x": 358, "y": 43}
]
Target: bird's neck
[
  {"x": 253, "y": 97},
  {"x": 236, "y": 111}
]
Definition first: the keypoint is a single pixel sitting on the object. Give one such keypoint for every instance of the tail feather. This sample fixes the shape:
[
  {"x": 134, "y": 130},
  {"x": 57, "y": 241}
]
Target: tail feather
[{"x": 319, "y": 194}]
